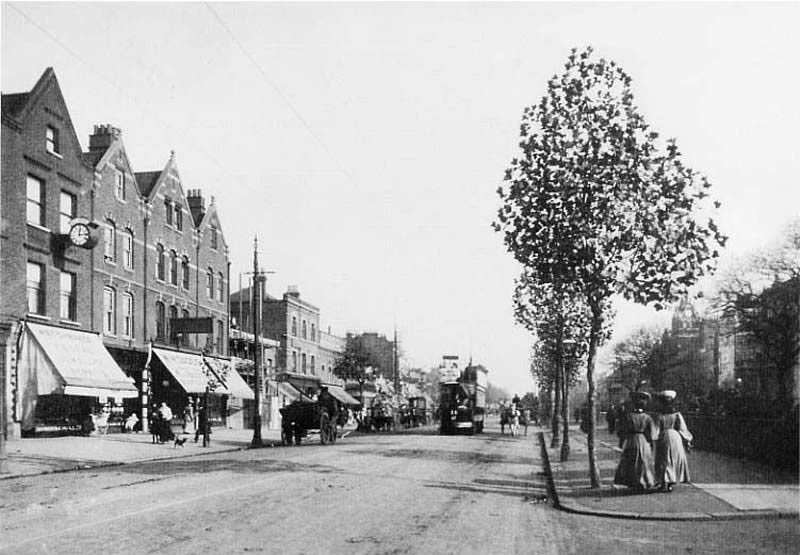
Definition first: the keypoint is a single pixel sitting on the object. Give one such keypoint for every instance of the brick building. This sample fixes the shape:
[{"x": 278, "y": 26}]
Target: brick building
[
  {"x": 46, "y": 311},
  {"x": 78, "y": 319}
]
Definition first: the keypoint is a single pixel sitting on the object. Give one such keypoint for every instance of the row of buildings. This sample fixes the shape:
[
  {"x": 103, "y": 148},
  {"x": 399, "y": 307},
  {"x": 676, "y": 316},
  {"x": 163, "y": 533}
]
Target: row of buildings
[{"x": 116, "y": 286}]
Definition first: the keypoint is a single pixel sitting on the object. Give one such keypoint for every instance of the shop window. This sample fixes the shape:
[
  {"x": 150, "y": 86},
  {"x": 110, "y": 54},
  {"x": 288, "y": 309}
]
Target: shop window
[{"x": 35, "y": 280}]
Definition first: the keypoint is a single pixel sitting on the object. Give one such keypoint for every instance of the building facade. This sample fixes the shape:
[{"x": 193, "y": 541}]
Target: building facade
[{"x": 93, "y": 253}]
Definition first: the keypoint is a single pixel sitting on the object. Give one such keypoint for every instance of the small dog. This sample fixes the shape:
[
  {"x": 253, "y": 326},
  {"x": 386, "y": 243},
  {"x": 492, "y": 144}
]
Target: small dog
[{"x": 179, "y": 441}]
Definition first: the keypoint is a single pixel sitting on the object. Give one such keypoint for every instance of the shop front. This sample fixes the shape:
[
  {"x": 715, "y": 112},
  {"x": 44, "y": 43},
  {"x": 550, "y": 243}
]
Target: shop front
[
  {"x": 65, "y": 378},
  {"x": 181, "y": 379}
]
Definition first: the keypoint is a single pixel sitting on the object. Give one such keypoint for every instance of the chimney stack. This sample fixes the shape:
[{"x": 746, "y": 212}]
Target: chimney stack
[
  {"x": 197, "y": 204},
  {"x": 103, "y": 136}
]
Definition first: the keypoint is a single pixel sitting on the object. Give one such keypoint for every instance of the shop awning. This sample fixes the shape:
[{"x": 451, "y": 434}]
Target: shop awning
[
  {"x": 300, "y": 381},
  {"x": 289, "y": 391},
  {"x": 237, "y": 386},
  {"x": 342, "y": 396},
  {"x": 191, "y": 371},
  {"x": 73, "y": 362}
]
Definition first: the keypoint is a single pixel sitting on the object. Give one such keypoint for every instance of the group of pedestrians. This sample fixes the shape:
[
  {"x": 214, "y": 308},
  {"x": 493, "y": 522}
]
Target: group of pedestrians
[{"x": 653, "y": 448}]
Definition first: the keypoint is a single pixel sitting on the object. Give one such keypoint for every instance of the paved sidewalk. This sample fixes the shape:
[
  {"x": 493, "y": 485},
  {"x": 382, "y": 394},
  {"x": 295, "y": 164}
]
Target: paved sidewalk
[
  {"x": 723, "y": 487},
  {"x": 59, "y": 454}
]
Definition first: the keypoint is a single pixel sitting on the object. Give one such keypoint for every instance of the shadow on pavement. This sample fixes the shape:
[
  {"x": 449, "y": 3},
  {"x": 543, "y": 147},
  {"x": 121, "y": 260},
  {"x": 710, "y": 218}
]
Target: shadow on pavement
[
  {"x": 203, "y": 465},
  {"x": 468, "y": 457}
]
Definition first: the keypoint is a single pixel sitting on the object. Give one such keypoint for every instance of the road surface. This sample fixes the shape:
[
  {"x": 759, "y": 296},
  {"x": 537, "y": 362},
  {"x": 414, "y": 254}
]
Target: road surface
[{"x": 379, "y": 493}]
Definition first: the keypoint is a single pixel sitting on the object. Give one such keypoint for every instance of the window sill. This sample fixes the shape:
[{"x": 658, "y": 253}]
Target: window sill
[
  {"x": 54, "y": 153},
  {"x": 70, "y": 323},
  {"x": 42, "y": 317},
  {"x": 40, "y": 227},
  {"x": 110, "y": 261},
  {"x": 129, "y": 269}
]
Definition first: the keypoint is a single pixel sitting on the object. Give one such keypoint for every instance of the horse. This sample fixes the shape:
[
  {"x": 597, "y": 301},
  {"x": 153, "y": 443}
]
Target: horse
[{"x": 511, "y": 417}]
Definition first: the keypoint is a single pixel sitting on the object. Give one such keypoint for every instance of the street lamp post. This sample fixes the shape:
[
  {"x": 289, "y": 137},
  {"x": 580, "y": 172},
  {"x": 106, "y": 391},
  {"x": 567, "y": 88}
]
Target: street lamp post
[{"x": 258, "y": 279}]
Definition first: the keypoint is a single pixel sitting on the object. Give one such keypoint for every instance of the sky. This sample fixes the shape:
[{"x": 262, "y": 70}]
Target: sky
[{"x": 363, "y": 143}]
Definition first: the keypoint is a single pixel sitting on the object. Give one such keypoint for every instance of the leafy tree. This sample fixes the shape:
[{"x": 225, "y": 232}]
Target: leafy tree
[
  {"x": 763, "y": 294},
  {"x": 495, "y": 393},
  {"x": 559, "y": 320},
  {"x": 356, "y": 364},
  {"x": 596, "y": 202},
  {"x": 638, "y": 359}
]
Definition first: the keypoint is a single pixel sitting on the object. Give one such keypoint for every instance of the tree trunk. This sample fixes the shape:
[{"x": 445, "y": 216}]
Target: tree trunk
[
  {"x": 565, "y": 413},
  {"x": 594, "y": 339},
  {"x": 556, "y": 439}
]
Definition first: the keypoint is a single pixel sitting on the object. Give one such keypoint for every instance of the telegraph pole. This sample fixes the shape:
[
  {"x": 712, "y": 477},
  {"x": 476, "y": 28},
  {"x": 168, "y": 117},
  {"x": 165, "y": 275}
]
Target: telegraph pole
[{"x": 258, "y": 278}]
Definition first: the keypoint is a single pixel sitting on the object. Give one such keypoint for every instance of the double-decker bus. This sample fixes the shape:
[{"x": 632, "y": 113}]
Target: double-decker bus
[{"x": 462, "y": 402}]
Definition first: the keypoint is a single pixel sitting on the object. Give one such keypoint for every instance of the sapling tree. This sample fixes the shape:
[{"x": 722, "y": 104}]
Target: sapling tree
[{"x": 596, "y": 201}]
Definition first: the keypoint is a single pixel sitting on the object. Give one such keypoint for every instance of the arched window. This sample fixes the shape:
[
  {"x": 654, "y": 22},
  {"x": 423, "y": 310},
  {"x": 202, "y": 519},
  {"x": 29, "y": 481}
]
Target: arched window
[
  {"x": 173, "y": 314},
  {"x": 294, "y": 361},
  {"x": 109, "y": 311},
  {"x": 294, "y": 326},
  {"x": 210, "y": 283},
  {"x": 305, "y": 330},
  {"x": 304, "y": 363},
  {"x": 161, "y": 321},
  {"x": 313, "y": 364},
  {"x": 127, "y": 315},
  {"x": 110, "y": 244},
  {"x": 160, "y": 263},
  {"x": 173, "y": 267},
  {"x": 220, "y": 287},
  {"x": 127, "y": 249},
  {"x": 220, "y": 337},
  {"x": 313, "y": 332},
  {"x": 185, "y": 272}
]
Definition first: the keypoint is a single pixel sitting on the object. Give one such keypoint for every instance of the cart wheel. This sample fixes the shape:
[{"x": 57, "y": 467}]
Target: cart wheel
[
  {"x": 286, "y": 435},
  {"x": 324, "y": 428}
]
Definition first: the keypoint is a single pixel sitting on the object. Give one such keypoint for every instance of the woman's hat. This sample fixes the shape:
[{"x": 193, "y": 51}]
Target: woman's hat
[{"x": 668, "y": 395}]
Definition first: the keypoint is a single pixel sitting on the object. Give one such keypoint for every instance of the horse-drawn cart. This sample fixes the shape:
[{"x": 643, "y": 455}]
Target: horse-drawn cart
[{"x": 300, "y": 417}]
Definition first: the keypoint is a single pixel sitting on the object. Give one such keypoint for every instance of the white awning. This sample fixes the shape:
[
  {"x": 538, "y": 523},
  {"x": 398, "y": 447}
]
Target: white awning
[
  {"x": 237, "y": 386},
  {"x": 191, "y": 371},
  {"x": 73, "y": 362},
  {"x": 342, "y": 396}
]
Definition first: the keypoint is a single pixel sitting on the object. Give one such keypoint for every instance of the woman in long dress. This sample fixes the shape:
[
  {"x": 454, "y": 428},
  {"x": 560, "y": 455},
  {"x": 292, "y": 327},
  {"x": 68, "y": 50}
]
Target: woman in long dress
[
  {"x": 672, "y": 466},
  {"x": 637, "y": 431}
]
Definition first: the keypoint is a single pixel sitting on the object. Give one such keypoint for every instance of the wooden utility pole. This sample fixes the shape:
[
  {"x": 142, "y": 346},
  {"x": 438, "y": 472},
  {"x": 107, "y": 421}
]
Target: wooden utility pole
[{"x": 256, "y": 290}]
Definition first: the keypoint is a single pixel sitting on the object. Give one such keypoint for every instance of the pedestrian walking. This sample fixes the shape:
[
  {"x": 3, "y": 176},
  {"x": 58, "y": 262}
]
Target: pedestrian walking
[
  {"x": 637, "y": 432},
  {"x": 672, "y": 466},
  {"x": 188, "y": 419}
]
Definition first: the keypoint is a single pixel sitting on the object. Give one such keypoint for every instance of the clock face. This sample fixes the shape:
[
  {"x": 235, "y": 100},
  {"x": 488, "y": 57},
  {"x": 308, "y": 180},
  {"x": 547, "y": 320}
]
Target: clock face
[{"x": 79, "y": 234}]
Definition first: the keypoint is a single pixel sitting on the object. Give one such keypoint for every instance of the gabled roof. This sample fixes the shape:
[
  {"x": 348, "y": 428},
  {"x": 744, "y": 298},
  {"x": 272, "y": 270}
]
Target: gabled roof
[
  {"x": 147, "y": 181},
  {"x": 100, "y": 157},
  {"x": 18, "y": 105}
]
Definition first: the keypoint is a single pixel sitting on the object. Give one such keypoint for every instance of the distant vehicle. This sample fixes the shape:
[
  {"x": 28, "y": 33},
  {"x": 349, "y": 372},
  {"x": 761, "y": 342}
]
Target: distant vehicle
[
  {"x": 462, "y": 402},
  {"x": 415, "y": 413}
]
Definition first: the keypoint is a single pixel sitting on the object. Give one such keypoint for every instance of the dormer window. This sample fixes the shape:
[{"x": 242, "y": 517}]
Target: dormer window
[{"x": 52, "y": 143}]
